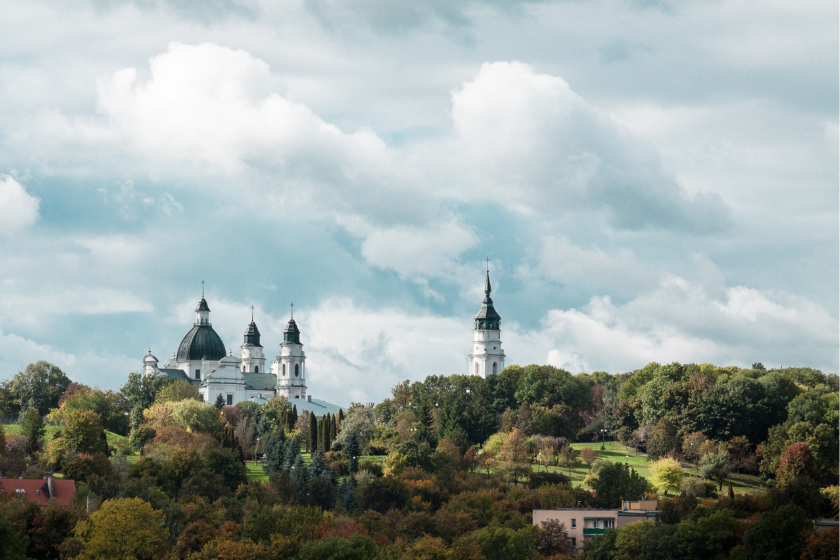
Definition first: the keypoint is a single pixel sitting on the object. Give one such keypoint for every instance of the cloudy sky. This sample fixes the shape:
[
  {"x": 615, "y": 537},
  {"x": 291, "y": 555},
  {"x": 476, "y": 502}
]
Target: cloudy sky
[{"x": 652, "y": 180}]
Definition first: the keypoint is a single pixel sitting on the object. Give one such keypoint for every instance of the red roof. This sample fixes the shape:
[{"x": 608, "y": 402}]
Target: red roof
[{"x": 36, "y": 490}]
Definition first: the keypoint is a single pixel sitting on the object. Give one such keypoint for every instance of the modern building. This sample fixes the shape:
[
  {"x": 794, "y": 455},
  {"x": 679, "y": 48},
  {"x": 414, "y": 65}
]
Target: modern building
[
  {"x": 487, "y": 356},
  {"x": 584, "y": 523},
  {"x": 202, "y": 359}
]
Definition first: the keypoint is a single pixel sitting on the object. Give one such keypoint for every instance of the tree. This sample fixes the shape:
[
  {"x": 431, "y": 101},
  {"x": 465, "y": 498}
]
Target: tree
[
  {"x": 568, "y": 457},
  {"x": 716, "y": 466},
  {"x": 123, "y": 528},
  {"x": 354, "y": 547},
  {"x": 83, "y": 432},
  {"x": 33, "y": 429},
  {"x": 692, "y": 444},
  {"x": 195, "y": 416},
  {"x": 274, "y": 449},
  {"x": 352, "y": 452},
  {"x": 179, "y": 390},
  {"x": 778, "y": 535},
  {"x": 588, "y": 456},
  {"x": 498, "y": 543},
  {"x": 14, "y": 543},
  {"x": 142, "y": 389},
  {"x": 667, "y": 474},
  {"x": 513, "y": 456},
  {"x": 219, "y": 402},
  {"x": 360, "y": 421},
  {"x": 313, "y": 433},
  {"x": 616, "y": 482},
  {"x": 664, "y": 439},
  {"x": 40, "y": 386},
  {"x": 547, "y": 447},
  {"x": 552, "y": 538},
  {"x": 2, "y": 440},
  {"x": 796, "y": 461},
  {"x": 84, "y": 466}
]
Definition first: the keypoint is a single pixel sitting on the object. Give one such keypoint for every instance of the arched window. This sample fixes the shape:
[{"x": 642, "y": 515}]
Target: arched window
[
  {"x": 297, "y": 370},
  {"x": 494, "y": 367},
  {"x": 476, "y": 368},
  {"x": 256, "y": 369},
  {"x": 284, "y": 370}
]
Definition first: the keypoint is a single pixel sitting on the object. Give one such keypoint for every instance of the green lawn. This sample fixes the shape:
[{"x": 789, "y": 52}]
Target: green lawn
[{"x": 617, "y": 453}]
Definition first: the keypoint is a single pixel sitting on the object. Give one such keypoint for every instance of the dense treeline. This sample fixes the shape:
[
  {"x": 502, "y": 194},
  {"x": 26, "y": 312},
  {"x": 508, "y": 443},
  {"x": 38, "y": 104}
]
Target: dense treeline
[{"x": 447, "y": 468}]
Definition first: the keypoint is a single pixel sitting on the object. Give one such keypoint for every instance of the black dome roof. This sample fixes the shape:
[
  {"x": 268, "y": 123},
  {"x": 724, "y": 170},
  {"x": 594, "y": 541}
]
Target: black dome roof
[{"x": 201, "y": 343}]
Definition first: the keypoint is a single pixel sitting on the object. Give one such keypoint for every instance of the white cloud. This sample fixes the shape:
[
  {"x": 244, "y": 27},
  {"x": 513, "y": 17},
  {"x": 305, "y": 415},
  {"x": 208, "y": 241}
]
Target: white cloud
[{"x": 18, "y": 209}]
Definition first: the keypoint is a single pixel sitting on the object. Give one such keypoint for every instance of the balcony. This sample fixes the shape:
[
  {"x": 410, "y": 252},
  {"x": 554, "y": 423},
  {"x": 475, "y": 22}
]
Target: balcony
[{"x": 593, "y": 531}]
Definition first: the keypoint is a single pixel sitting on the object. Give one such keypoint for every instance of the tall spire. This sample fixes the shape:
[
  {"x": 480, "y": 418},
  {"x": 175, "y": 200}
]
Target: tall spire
[
  {"x": 202, "y": 289},
  {"x": 293, "y": 310}
]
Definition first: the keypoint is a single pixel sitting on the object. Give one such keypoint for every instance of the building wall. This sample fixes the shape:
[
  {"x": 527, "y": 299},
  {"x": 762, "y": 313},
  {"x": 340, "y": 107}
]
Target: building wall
[
  {"x": 486, "y": 350},
  {"x": 576, "y": 520}
]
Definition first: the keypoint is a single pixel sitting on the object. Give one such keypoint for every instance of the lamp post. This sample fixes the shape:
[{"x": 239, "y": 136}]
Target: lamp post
[{"x": 603, "y": 435}]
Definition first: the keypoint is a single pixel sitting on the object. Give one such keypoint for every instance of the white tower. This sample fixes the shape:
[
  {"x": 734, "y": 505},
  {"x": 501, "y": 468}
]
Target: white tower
[
  {"x": 290, "y": 366},
  {"x": 487, "y": 356},
  {"x": 251, "y": 356},
  {"x": 150, "y": 364}
]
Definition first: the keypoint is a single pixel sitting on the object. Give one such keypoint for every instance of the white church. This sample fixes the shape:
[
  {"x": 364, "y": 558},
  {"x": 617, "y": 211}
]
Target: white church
[{"x": 201, "y": 359}]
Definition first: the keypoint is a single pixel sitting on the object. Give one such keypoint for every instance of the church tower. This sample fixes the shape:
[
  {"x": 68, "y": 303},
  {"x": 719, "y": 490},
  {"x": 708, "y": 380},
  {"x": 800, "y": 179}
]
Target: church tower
[
  {"x": 291, "y": 364},
  {"x": 251, "y": 355},
  {"x": 487, "y": 356}
]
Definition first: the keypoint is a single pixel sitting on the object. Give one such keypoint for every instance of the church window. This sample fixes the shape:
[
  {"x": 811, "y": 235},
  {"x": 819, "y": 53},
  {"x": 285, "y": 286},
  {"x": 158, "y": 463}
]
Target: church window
[
  {"x": 494, "y": 367},
  {"x": 284, "y": 370},
  {"x": 230, "y": 400},
  {"x": 198, "y": 374},
  {"x": 476, "y": 368},
  {"x": 256, "y": 369},
  {"x": 296, "y": 370}
]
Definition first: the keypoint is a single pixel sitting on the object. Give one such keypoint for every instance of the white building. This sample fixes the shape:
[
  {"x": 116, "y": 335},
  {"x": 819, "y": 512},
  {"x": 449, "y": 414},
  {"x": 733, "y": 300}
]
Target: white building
[
  {"x": 201, "y": 359},
  {"x": 487, "y": 356}
]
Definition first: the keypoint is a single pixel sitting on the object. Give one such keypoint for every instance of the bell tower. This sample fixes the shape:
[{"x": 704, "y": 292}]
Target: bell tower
[
  {"x": 487, "y": 356},
  {"x": 251, "y": 356},
  {"x": 291, "y": 363}
]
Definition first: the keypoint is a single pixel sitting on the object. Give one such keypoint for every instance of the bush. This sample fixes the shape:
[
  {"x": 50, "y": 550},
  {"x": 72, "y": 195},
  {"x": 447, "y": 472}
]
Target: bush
[
  {"x": 84, "y": 466},
  {"x": 140, "y": 436},
  {"x": 696, "y": 487},
  {"x": 537, "y": 479}
]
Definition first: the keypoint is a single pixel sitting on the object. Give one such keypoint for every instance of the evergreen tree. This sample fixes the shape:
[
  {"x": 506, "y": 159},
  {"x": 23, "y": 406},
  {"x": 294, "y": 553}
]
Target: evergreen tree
[
  {"x": 33, "y": 428},
  {"x": 340, "y": 419},
  {"x": 220, "y": 402},
  {"x": 352, "y": 452},
  {"x": 275, "y": 452},
  {"x": 332, "y": 429},
  {"x": 318, "y": 466},
  {"x": 136, "y": 417},
  {"x": 347, "y": 495},
  {"x": 294, "y": 417},
  {"x": 292, "y": 452},
  {"x": 313, "y": 433},
  {"x": 299, "y": 473}
]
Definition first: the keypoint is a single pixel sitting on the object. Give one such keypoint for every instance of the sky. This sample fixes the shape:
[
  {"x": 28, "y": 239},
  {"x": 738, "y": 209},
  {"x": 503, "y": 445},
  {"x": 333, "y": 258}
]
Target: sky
[{"x": 651, "y": 180}]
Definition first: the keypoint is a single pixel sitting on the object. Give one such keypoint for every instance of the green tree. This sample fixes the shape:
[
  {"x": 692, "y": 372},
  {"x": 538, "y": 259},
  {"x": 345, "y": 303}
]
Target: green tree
[
  {"x": 33, "y": 429},
  {"x": 14, "y": 543},
  {"x": 360, "y": 421},
  {"x": 351, "y": 449},
  {"x": 667, "y": 474},
  {"x": 313, "y": 433},
  {"x": 778, "y": 535},
  {"x": 142, "y": 389},
  {"x": 500, "y": 543},
  {"x": 617, "y": 481},
  {"x": 83, "y": 432},
  {"x": 568, "y": 457},
  {"x": 195, "y": 416},
  {"x": 354, "y": 547},
  {"x": 9, "y": 401},
  {"x": 179, "y": 390},
  {"x": 123, "y": 528},
  {"x": 716, "y": 466},
  {"x": 665, "y": 439},
  {"x": 220, "y": 402},
  {"x": 40, "y": 386},
  {"x": 2, "y": 440}
]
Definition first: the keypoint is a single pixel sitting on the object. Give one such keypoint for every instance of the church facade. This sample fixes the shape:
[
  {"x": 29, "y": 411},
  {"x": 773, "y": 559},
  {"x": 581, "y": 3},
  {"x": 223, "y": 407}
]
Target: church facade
[
  {"x": 202, "y": 359},
  {"x": 487, "y": 356}
]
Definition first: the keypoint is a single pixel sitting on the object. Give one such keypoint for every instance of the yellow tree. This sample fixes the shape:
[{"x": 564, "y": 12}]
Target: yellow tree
[
  {"x": 123, "y": 528},
  {"x": 588, "y": 456},
  {"x": 667, "y": 474},
  {"x": 513, "y": 456}
]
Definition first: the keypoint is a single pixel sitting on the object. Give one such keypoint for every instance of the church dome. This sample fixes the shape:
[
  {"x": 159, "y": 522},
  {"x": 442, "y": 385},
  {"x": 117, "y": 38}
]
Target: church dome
[{"x": 201, "y": 343}]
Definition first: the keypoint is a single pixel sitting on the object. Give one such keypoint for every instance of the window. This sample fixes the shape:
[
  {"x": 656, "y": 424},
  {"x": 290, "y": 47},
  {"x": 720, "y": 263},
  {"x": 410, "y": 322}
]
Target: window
[
  {"x": 297, "y": 370},
  {"x": 476, "y": 368},
  {"x": 574, "y": 523},
  {"x": 574, "y": 541},
  {"x": 198, "y": 374},
  {"x": 284, "y": 370},
  {"x": 494, "y": 367},
  {"x": 230, "y": 400},
  {"x": 256, "y": 369}
]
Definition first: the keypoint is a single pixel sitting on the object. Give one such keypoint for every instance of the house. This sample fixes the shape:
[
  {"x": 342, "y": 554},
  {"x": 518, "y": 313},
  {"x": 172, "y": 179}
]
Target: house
[
  {"x": 584, "y": 523},
  {"x": 40, "y": 490}
]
